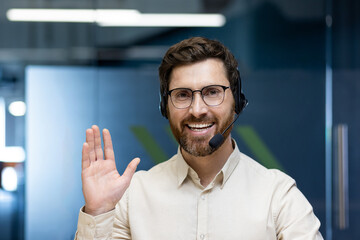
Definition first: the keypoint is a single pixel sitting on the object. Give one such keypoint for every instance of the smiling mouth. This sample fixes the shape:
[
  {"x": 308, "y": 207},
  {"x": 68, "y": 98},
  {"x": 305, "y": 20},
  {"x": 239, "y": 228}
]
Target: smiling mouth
[{"x": 199, "y": 126}]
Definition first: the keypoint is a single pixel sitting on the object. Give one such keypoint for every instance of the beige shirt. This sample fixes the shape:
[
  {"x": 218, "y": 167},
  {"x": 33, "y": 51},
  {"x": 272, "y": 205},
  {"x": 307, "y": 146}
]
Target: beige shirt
[{"x": 245, "y": 201}]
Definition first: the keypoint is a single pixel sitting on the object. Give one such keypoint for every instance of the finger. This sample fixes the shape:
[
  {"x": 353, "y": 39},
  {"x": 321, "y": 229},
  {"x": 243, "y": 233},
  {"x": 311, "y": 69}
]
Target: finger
[
  {"x": 131, "y": 168},
  {"x": 108, "y": 147},
  {"x": 97, "y": 142},
  {"x": 85, "y": 161},
  {"x": 91, "y": 144}
]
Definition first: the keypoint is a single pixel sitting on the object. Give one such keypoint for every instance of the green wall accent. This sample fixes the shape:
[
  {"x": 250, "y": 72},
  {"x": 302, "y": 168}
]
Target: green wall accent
[
  {"x": 148, "y": 142},
  {"x": 258, "y": 147}
]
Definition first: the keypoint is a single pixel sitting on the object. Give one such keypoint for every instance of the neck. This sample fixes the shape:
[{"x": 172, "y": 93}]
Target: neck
[{"x": 207, "y": 167}]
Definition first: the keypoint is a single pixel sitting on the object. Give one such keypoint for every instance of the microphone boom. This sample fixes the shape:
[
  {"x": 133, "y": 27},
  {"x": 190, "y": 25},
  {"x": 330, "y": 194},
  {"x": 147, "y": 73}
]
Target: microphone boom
[{"x": 218, "y": 139}]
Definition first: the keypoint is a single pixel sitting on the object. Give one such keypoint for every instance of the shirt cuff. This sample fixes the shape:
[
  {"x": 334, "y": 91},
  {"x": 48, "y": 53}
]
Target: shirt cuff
[{"x": 98, "y": 227}]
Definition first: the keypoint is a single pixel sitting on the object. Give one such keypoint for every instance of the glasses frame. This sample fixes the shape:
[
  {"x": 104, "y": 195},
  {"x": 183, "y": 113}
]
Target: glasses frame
[{"x": 201, "y": 93}]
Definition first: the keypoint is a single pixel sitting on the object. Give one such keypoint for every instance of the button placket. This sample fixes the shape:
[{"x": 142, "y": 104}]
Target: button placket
[{"x": 202, "y": 216}]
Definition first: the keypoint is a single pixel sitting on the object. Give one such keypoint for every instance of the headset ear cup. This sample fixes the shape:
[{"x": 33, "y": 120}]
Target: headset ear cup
[
  {"x": 238, "y": 94},
  {"x": 243, "y": 102},
  {"x": 240, "y": 101},
  {"x": 237, "y": 106},
  {"x": 163, "y": 107}
]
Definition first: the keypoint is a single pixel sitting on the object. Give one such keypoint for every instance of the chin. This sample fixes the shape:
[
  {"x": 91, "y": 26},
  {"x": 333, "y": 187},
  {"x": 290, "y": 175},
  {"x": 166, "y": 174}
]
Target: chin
[{"x": 196, "y": 148}]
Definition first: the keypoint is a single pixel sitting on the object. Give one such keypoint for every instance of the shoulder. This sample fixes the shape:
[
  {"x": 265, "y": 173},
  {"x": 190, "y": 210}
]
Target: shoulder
[
  {"x": 257, "y": 171},
  {"x": 257, "y": 180},
  {"x": 288, "y": 202}
]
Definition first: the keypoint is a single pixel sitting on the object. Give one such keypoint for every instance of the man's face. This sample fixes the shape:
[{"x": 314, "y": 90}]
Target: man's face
[{"x": 193, "y": 127}]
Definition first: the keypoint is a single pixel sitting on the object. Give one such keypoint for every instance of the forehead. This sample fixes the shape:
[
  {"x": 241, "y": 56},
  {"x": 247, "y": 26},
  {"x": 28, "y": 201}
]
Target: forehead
[{"x": 198, "y": 75}]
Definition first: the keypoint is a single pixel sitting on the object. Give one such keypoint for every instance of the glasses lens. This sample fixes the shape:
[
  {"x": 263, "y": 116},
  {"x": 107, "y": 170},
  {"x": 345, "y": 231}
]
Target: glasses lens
[
  {"x": 213, "y": 95},
  {"x": 181, "y": 97}
]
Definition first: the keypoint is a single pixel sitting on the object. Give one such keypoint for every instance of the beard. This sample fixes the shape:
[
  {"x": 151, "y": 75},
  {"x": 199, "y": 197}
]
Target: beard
[{"x": 198, "y": 146}]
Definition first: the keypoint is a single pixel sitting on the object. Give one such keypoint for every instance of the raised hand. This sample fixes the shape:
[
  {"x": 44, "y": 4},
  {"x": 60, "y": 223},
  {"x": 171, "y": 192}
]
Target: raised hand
[{"x": 103, "y": 186}]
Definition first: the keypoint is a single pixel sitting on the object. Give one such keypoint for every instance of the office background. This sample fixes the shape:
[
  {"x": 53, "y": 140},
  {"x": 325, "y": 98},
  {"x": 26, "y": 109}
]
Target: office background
[{"x": 299, "y": 62}]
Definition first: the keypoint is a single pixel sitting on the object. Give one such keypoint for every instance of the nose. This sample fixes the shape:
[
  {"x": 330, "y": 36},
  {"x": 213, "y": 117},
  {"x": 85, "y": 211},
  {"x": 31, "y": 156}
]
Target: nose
[{"x": 198, "y": 107}]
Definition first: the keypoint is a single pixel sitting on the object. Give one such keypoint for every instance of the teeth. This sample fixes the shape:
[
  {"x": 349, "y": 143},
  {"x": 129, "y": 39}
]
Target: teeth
[{"x": 199, "y": 126}]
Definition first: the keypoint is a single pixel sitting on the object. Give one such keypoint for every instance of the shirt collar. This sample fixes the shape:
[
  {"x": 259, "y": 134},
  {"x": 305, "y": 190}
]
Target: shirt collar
[
  {"x": 230, "y": 164},
  {"x": 183, "y": 169}
]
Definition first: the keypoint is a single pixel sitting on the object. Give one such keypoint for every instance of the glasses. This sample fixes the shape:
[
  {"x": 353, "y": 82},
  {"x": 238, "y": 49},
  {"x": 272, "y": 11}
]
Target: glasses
[{"x": 212, "y": 95}]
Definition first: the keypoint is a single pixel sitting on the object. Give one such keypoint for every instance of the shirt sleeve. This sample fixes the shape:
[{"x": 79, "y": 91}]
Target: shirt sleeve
[
  {"x": 121, "y": 229},
  {"x": 96, "y": 228},
  {"x": 295, "y": 219}
]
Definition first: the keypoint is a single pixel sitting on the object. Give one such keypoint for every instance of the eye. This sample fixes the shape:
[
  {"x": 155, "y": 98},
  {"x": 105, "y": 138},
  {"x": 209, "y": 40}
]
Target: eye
[
  {"x": 182, "y": 94},
  {"x": 212, "y": 91}
]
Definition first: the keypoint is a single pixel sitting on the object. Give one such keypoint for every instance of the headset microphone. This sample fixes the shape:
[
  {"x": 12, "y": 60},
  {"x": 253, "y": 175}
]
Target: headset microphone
[{"x": 218, "y": 139}]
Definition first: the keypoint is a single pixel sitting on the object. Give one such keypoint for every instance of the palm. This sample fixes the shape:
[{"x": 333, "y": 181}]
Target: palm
[{"x": 103, "y": 186}]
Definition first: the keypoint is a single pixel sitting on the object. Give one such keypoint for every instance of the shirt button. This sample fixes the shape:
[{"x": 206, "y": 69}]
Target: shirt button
[
  {"x": 203, "y": 197},
  {"x": 202, "y": 236}
]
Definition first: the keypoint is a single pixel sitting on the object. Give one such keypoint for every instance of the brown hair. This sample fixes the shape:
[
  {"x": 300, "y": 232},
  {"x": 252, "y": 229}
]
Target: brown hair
[{"x": 194, "y": 50}]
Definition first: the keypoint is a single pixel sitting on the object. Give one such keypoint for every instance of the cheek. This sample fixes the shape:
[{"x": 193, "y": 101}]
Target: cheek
[
  {"x": 229, "y": 103},
  {"x": 175, "y": 115},
  {"x": 225, "y": 111},
  {"x": 227, "y": 107}
]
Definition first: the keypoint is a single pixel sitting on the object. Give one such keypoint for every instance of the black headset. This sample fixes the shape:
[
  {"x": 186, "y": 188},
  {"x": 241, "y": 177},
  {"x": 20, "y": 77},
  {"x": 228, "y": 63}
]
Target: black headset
[{"x": 240, "y": 100}]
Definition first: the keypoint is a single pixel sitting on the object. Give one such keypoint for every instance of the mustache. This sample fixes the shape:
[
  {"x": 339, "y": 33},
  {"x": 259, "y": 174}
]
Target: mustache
[{"x": 193, "y": 119}]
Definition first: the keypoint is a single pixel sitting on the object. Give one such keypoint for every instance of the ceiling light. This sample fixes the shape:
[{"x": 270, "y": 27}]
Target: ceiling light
[
  {"x": 68, "y": 15},
  {"x": 168, "y": 20},
  {"x": 104, "y": 15},
  {"x": 51, "y": 15},
  {"x": 116, "y": 18},
  {"x": 12, "y": 154},
  {"x": 17, "y": 108},
  {"x": 9, "y": 179}
]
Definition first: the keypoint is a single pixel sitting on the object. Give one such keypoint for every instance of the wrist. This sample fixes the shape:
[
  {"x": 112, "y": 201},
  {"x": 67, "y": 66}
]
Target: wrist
[{"x": 97, "y": 211}]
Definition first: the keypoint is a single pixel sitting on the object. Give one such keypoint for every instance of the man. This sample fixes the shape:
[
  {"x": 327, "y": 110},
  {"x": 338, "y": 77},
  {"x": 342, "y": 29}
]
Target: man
[{"x": 202, "y": 192}]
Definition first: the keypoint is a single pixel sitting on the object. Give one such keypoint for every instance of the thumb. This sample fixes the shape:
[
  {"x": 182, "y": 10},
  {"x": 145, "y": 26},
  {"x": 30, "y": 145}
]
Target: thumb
[{"x": 131, "y": 168}]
